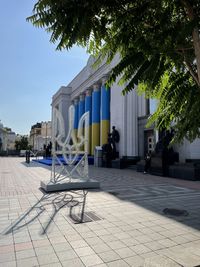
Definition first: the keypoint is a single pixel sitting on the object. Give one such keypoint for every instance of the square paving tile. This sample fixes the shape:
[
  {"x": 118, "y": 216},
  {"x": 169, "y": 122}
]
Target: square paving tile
[
  {"x": 84, "y": 251},
  {"x": 98, "y": 248},
  {"x": 66, "y": 255},
  {"x": 31, "y": 262},
  {"x": 116, "y": 244},
  {"x": 23, "y": 254},
  {"x": 109, "y": 256},
  {"x": 125, "y": 252},
  {"x": 135, "y": 261},
  {"x": 140, "y": 249},
  {"x": 73, "y": 263},
  {"x": 91, "y": 260},
  {"x": 47, "y": 259},
  {"x": 6, "y": 257},
  {"x": 118, "y": 263}
]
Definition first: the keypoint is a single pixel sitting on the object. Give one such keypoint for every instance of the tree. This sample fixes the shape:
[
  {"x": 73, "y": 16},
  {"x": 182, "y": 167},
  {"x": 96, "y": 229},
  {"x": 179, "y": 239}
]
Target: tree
[
  {"x": 21, "y": 144},
  {"x": 158, "y": 42}
]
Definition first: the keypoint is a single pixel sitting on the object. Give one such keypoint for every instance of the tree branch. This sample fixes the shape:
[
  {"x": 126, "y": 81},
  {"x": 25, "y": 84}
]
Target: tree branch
[
  {"x": 192, "y": 72},
  {"x": 189, "y": 9},
  {"x": 196, "y": 41},
  {"x": 195, "y": 34}
]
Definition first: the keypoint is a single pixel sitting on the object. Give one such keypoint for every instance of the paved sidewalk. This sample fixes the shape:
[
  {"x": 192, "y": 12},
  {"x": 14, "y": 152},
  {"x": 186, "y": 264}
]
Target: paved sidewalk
[{"x": 129, "y": 229}]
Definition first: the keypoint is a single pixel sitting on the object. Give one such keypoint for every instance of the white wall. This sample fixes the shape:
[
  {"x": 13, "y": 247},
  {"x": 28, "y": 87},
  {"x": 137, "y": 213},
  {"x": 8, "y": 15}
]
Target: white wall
[
  {"x": 117, "y": 115},
  {"x": 141, "y": 106},
  {"x": 188, "y": 150},
  {"x": 62, "y": 100},
  {"x": 124, "y": 115},
  {"x": 132, "y": 124}
]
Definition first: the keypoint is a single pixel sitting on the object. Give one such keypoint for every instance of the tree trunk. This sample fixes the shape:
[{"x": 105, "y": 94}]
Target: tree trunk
[
  {"x": 196, "y": 43},
  {"x": 195, "y": 35}
]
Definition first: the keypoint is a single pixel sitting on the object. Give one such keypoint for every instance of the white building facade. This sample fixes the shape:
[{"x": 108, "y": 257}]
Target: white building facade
[
  {"x": 40, "y": 135},
  {"x": 109, "y": 108},
  {"x": 3, "y": 138},
  {"x": 11, "y": 138},
  {"x": 7, "y": 139}
]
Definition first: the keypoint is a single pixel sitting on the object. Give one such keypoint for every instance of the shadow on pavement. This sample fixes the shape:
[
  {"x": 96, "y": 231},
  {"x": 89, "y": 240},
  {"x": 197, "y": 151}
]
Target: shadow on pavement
[
  {"x": 35, "y": 164},
  {"x": 153, "y": 193},
  {"x": 49, "y": 205},
  {"x": 182, "y": 203}
]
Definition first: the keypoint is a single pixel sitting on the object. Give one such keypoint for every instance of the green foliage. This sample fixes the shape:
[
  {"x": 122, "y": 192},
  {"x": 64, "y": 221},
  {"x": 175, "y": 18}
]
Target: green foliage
[
  {"x": 22, "y": 144},
  {"x": 155, "y": 40},
  {"x": 178, "y": 105}
]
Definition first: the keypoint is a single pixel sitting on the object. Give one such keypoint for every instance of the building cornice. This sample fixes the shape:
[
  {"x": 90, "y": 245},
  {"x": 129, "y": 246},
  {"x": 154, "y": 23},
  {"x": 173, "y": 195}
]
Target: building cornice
[
  {"x": 64, "y": 91},
  {"x": 91, "y": 80},
  {"x": 85, "y": 80}
]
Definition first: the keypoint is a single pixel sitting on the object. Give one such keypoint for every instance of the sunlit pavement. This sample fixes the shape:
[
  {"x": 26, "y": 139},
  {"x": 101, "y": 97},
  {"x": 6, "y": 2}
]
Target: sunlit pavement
[{"x": 128, "y": 226}]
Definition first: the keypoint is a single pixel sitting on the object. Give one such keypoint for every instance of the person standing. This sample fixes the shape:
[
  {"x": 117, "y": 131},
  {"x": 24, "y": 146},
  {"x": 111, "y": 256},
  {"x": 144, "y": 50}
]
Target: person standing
[
  {"x": 115, "y": 139},
  {"x": 147, "y": 162}
]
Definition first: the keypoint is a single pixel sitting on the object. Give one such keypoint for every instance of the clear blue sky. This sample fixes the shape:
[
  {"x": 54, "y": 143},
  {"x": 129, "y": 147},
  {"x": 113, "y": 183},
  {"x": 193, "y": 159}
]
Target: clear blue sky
[{"x": 31, "y": 71}]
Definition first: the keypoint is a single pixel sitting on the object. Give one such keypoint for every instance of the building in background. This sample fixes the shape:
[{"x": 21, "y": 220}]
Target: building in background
[
  {"x": 3, "y": 138},
  {"x": 40, "y": 135},
  {"x": 11, "y": 138},
  {"x": 107, "y": 107},
  {"x": 7, "y": 139}
]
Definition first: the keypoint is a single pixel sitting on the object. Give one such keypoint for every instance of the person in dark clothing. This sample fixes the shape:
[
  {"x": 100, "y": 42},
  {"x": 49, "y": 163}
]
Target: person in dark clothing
[
  {"x": 50, "y": 145},
  {"x": 48, "y": 150},
  {"x": 28, "y": 153},
  {"x": 115, "y": 139},
  {"x": 1, "y": 143},
  {"x": 147, "y": 162},
  {"x": 108, "y": 152}
]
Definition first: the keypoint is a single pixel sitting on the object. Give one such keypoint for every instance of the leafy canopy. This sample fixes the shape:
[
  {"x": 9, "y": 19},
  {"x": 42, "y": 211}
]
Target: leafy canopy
[
  {"x": 158, "y": 41},
  {"x": 21, "y": 144}
]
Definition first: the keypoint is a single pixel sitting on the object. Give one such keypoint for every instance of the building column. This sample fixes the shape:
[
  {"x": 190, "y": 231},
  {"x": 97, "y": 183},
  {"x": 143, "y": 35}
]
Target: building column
[
  {"x": 81, "y": 109},
  {"x": 76, "y": 115},
  {"x": 88, "y": 107},
  {"x": 105, "y": 112},
  {"x": 96, "y": 100}
]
